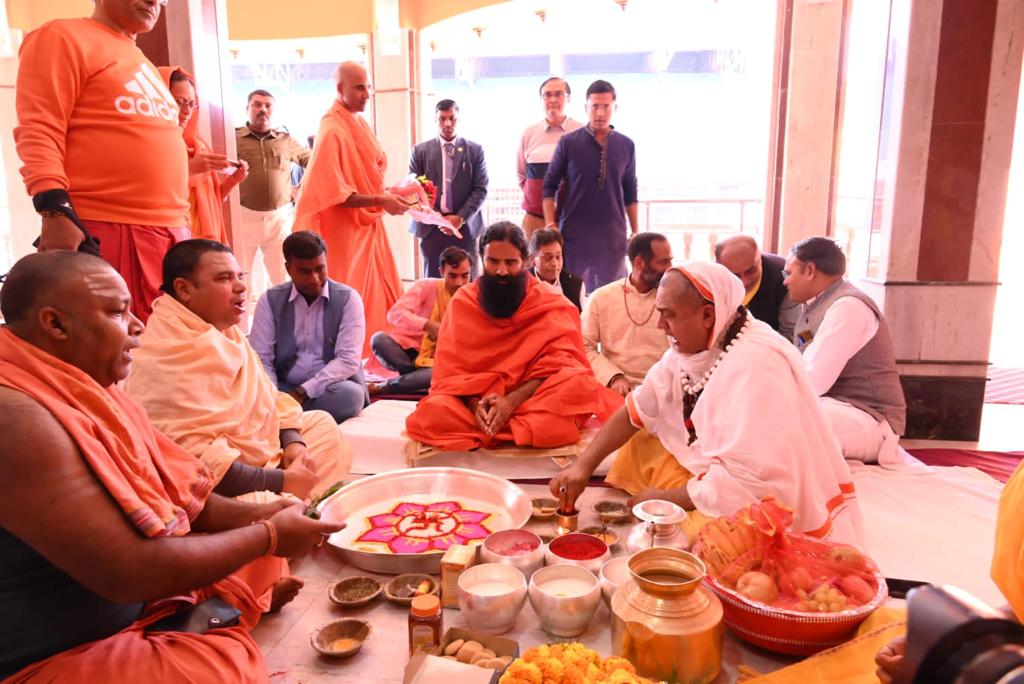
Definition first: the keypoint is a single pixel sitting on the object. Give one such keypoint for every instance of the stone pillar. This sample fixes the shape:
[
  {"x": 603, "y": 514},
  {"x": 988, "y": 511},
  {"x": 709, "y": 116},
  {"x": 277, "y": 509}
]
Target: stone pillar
[
  {"x": 947, "y": 131},
  {"x": 192, "y": 34},
  {"x": 395, "y": 120},
  {"x": 810, "y": 90}
]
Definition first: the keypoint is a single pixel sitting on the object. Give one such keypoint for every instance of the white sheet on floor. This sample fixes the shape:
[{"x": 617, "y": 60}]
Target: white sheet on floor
[
  {"x": 936, "y": 526},
  {"x": 378, "y": 443}
]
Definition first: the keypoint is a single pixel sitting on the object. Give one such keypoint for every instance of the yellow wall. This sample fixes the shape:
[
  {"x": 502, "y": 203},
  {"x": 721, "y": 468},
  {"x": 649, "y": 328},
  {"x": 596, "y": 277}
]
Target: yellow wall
[
  {"x": 28, "y": 14},
  {"x": 275, "y": 19},
  {"x": 271, "y": 19},
  {"x": 422, "y": 13}
]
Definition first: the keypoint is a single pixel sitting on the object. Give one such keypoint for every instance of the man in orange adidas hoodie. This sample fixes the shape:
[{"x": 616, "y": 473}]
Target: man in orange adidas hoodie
[{"x": 98, "y": 137}]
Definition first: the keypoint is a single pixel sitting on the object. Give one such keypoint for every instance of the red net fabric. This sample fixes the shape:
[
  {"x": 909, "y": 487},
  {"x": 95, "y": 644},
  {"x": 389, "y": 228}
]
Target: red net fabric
[{"x": 752, "y": 553}]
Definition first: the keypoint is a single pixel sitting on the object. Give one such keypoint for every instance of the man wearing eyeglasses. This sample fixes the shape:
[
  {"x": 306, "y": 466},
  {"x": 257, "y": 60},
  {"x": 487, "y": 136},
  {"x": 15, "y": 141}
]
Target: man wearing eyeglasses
[
  {"x": 103, "y": 156},
  {"x": 538, "y": 144},
  {"x": 266, "y": 194}
]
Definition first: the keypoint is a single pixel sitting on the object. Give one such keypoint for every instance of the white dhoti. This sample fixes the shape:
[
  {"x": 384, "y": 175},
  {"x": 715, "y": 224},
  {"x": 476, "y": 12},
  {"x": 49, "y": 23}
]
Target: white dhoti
[{"x": 864, "y": 438}]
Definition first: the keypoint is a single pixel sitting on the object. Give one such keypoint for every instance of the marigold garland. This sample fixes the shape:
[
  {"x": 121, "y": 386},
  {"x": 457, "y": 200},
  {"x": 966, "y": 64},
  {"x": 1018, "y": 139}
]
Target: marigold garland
[{"x": 569, "y": 664}]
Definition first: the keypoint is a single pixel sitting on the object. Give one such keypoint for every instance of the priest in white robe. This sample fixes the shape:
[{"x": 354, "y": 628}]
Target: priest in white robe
[{"x": 735, "y": 417}]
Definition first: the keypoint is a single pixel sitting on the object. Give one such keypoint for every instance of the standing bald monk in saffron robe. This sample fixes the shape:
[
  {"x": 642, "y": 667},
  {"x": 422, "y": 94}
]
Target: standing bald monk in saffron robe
[
  {"x": 343, "y": 199},
  {"x": 100, "y": 145},
  {"x": 509, "y": 365},
  {"x": 106, "y": 526}
]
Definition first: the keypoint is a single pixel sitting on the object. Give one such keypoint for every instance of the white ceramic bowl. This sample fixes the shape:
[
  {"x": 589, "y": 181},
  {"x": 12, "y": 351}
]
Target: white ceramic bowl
[
  {"x": 491, "y": 595},
  {"x": 593, "y": 564},
  {"x": 613, "y": 575},
  {"x": 564, "y": 610},
  {"x": 495, "y": 549}
]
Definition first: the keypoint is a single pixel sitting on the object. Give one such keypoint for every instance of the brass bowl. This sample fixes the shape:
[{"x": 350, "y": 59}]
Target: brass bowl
[
  {"x": 391, "y": 588},
  {"x": 608, "y": 536},
  {"x": 544, "y": 508},
  {"x": 611, "y": 512},
  {"x": 371, "y": 588},
  {"x": 346, "y": 628}
]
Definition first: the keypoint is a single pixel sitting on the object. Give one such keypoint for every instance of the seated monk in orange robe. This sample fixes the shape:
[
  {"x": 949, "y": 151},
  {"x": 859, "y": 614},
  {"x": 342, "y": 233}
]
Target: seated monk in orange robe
[
  {"x": 509, "y": 365},
  {"x": 343, "y": 199},
  {"x": 98, "y": 510}
]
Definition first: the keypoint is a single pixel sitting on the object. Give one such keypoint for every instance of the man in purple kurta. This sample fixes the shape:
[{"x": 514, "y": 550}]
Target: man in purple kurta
[{"x": 598, "y": 166}]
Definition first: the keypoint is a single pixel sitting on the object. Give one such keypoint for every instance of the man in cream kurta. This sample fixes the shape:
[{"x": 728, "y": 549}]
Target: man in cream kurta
[
  {"x": 204, "y": 387},
  {"x": 620, "y": 323},
  {"x": 731, "y": 404}
]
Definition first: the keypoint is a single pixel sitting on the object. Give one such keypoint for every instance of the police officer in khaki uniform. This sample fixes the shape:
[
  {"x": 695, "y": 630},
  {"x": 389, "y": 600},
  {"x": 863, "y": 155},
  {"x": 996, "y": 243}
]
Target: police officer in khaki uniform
[{"x": 266, "y": 193}]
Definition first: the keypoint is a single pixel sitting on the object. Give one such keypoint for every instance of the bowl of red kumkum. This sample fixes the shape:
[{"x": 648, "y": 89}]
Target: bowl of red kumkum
[
  {"x": 521, "y": 549},
  {"x": 577, "y": 548}
]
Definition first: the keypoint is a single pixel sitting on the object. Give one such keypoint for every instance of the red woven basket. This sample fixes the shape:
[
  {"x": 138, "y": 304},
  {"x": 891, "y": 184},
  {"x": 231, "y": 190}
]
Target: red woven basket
[{"x": 789, "y": 631}]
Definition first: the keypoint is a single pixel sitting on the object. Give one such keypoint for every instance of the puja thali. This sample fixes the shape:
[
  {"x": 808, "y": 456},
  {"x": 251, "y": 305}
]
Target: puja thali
[{"x": 402, "y": 521}]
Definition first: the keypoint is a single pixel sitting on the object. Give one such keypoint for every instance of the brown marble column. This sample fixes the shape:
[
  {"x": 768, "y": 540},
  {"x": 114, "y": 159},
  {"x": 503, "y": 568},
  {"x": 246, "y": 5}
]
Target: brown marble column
[
  {"x": 957, "y": 137},
  {"x": 952, "y": 78}
]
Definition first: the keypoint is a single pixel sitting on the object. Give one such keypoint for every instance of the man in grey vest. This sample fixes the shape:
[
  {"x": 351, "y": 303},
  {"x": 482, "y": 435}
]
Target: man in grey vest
[
  {"x": 309, "y": 333},
  {"x": 848, "y": 353}
]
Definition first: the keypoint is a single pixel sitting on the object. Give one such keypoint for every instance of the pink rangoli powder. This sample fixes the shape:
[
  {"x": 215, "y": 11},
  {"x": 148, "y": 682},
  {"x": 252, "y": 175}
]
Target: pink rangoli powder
[{"x": 418, "y": 528}]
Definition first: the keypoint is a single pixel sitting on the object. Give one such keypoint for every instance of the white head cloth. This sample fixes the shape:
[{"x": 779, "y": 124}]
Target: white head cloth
[{"x": 720, "y": 287}]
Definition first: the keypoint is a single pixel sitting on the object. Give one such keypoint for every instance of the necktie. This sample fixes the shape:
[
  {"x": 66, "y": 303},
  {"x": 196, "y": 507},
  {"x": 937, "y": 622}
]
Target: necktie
[{"x": 449, "y": 171}]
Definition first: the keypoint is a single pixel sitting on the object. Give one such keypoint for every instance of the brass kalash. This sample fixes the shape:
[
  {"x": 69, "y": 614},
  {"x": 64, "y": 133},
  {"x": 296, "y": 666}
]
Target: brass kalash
[{"x": 665, "y": 621}]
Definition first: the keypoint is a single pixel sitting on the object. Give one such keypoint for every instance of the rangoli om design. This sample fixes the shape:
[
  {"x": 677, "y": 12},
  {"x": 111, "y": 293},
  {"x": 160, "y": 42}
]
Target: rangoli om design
[{"x": 418, "y": 528}]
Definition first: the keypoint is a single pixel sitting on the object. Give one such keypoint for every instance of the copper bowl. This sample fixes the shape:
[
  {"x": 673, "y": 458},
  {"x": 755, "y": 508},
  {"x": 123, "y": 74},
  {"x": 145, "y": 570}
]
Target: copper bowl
[{"x": 792, "y": 632}]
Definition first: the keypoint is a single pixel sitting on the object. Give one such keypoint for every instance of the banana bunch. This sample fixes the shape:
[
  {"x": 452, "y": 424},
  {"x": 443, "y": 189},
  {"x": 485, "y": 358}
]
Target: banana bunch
[{"x": 729, "y": 548}]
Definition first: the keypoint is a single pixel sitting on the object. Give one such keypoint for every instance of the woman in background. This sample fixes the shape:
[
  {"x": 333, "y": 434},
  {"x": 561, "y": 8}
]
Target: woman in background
[{"x": 211, "y": 175}]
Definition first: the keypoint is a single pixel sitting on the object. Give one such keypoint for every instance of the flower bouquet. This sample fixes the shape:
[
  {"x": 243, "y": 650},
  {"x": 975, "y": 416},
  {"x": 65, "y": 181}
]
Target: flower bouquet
[
  {"x": 569, "y": 664},
  {"x": 419, "y": 192}
]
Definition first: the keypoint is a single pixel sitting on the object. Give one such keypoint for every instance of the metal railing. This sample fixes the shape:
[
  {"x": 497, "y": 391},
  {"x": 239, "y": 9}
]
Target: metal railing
[{"x": 685, "y": 222}]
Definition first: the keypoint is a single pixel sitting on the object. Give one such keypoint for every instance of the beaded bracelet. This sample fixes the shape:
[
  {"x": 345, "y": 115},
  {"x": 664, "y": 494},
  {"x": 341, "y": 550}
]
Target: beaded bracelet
[{"x": 272, "y": 531}]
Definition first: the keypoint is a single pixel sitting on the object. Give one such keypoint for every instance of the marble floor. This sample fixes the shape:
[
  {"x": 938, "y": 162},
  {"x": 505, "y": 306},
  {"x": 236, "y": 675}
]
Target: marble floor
[{"x": 284, "y": 637}]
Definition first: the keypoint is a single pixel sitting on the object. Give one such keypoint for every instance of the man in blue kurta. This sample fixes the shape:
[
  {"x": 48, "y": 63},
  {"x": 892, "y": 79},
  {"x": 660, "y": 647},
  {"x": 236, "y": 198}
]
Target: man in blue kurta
[
  {"x": 597, "y": 164},
  {"x": 309, "y": 333}
]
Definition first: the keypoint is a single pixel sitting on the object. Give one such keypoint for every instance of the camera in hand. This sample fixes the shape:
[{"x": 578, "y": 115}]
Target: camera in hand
[{"x": 953, "y": 638}]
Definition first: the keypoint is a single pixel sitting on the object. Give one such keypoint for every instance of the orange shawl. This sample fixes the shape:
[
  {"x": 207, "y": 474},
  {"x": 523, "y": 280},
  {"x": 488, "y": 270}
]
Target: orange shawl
[
  {"x": 478, "y": 355},
  {"x": 160, "y": 487},
  {"x": 205, "y": 203},
  {"x": 1008, "y": 560},
  {"x": 425, "y": 359},
  {"x": 347, "y": 159}
]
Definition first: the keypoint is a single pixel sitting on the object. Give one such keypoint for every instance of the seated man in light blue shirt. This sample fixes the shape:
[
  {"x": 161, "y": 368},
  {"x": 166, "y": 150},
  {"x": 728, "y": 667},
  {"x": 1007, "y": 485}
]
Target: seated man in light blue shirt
[{"x": 309, "y": 333}]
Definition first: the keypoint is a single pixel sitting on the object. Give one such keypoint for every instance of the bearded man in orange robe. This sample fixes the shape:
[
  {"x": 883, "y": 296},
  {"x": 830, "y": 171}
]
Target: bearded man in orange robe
[
  {"x": 343, "y": 199},
  {"x": 509, "y": 365}
]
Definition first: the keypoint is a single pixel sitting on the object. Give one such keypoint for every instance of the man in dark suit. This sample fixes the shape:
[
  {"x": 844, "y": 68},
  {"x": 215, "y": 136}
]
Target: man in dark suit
[
  {"x": 457, "y": 168},
  {"x": 762, "y": 275},
  {"x": 546, "y": 256}
]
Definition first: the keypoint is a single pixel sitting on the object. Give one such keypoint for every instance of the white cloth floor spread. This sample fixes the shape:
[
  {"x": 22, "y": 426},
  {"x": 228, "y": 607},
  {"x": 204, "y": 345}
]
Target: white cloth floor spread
[
  {"x": 378, "y": 441},
  {"x": 935, "y": 525}
]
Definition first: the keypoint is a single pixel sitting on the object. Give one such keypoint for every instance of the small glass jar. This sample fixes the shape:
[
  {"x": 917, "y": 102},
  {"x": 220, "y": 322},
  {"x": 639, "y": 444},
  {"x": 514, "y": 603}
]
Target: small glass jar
[{"x": 426, "y": 623}]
